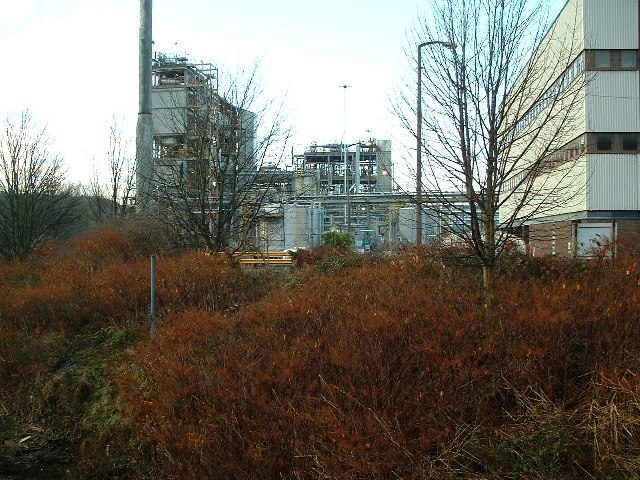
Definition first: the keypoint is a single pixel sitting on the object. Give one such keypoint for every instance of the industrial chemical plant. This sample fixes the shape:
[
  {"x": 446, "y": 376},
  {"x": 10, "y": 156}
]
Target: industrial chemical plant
[{"x": 203, "y": 160}]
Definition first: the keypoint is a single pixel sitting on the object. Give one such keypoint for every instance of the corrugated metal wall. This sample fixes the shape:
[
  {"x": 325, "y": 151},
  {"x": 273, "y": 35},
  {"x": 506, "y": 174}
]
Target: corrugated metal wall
[
  {"x": 610, "y": 24},
  {"x": 612, "y": 102},
  {"x": 168, "y": 110},
  {"x": 612, "y": 182},
  {"x": 612, "y": 105}
]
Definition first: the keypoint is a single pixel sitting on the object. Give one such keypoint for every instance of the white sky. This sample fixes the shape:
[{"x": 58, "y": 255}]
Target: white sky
[{"x": 74, "y": 63}]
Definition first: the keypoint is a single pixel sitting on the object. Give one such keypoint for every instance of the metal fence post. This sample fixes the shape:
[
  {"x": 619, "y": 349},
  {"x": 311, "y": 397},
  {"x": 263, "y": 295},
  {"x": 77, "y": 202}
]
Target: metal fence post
[{"x": 152, "y": 312}]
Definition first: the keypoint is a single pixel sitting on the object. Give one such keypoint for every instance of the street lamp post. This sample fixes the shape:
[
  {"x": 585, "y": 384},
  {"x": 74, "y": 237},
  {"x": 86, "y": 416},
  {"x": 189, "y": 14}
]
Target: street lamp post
[
  {"x": 343, "y": 151},
  {"x": 452, "y": 46}
]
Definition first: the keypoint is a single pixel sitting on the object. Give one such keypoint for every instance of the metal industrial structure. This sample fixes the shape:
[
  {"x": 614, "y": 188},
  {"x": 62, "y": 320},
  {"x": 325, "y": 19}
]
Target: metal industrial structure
[
  {"x": 205, "y": 177},
  {"x": 183, "y": 105},
  {"x": 204, "y": 162},
  {"x": 337, "y": 187},
  {"x": 198, "y": 135},
  {"x": 598, "y": 164},
  {"x": 349, "y": 188},
  {"x": 362, "y": 167}
]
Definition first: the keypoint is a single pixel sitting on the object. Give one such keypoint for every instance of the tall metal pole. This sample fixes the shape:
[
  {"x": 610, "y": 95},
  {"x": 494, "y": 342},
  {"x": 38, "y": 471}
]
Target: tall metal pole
[
  {"x": 452, "y": 46},
  {"x": 346, "y": 172},
  {"x": 346, "y": 158},
  {"x": 152, "y": 310},
  {"x": 344, "y": 110},
  {"x": 419, "y": 151},
  {"x": 356, "y": 168},
  {"x": 144, "y": 128}
]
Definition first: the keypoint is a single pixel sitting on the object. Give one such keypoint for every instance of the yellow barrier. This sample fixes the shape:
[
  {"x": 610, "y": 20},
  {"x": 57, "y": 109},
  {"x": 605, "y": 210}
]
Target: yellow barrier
[{"x": 268, "y": 258}]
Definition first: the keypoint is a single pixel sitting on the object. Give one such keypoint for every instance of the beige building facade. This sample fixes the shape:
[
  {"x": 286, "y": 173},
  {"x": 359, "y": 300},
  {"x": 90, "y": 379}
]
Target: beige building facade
[{"x": 584, "y": 103}]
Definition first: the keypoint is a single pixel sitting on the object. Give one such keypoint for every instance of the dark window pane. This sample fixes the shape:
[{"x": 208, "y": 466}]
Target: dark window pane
[
  {"x": 628, "y": 59},
  {"x": 603, "y": 58},
  {"x": 604, "y": 141},
  {"x": 630, "y": 141}
]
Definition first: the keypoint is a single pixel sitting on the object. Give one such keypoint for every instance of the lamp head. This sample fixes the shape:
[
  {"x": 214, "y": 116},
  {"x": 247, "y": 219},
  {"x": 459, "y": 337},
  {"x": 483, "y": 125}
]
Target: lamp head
[{"x": 450, "y": 45}]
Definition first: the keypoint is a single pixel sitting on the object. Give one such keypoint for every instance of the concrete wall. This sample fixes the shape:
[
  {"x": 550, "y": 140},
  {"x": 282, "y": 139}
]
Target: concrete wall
[
  {"x": 628, "y": 230},
  {"x": 560, "y": 191},
  {"x": 568, "y": 238}
]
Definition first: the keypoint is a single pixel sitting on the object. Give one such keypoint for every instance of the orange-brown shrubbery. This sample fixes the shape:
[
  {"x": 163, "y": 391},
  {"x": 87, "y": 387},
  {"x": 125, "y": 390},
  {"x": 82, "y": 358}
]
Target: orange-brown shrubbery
[
  {"x": 66, "y": 316},
  {"x": 99, "y": 281},
  {"x": 101, "y": 276},
  {"x": 326, "y": 258},
  {"x": 388, "y": 371},
  {"x": 361, "y": 369}
]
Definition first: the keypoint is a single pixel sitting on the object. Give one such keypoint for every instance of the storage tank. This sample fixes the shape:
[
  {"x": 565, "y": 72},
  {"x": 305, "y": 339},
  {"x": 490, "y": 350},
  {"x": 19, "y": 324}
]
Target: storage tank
[{"x": 302, "y": 226}]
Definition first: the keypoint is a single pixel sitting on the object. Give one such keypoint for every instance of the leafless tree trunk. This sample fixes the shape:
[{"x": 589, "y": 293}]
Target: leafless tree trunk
[
  {"x": 121, "y": 171},
  {"x": 498, "y": 109},
  {"x": 35, "y": 204}
]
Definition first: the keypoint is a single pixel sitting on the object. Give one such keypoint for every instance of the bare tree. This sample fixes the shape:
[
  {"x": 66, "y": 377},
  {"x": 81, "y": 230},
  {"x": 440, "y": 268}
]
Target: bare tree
[
  {"x": 35, "y": 204},
  {"x": 121, "y": 177},
  {"x": 220, "y": 167},
  {"x": 500, "y": 118}
]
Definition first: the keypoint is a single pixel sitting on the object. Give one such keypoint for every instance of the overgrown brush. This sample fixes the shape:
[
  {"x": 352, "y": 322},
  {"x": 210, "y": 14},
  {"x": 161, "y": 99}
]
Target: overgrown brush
[
  {"x": 329, "y": 258},
  {"x": 66, "y": 316},
  {"x": 361, "y": 369},
  {"x": 103, "y": 277},
  {"x": 388, "y": 371}
]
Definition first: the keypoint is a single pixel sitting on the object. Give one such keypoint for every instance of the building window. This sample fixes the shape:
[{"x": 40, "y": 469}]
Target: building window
[
  {"x": 604, "y": 142},
  {"x": 552, "y": 94},
  {"x": 628, "y": 59},
  {"x": 603, "y": 59},
  {"x": 630, "y": 142},
  {"x": 627, "y": 142},
  {"x": 612, "y": 59}
]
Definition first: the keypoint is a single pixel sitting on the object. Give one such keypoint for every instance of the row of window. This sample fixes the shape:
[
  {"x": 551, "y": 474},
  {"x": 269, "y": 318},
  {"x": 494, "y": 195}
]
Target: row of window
[
  {"x": 612, "y": 59},
  {"x": 613, "y": 142},
  {"x": 566, "y": 153},
  {"x": 602, "y": 142},
  {"x": 575, "y": 69},
  {"x": 595, "y": 60}
]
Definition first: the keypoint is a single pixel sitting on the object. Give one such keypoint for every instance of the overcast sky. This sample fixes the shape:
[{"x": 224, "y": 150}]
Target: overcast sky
[{"x": 74, "y": 63}]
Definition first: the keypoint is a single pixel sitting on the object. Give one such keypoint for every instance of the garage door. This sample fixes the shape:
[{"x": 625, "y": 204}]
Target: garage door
[{"x": 593, "y": 236}]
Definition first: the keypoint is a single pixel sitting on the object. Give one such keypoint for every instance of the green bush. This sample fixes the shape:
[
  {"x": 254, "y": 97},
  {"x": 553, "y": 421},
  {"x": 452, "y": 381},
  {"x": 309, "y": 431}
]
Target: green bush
[{"x": 335, "y": 239}]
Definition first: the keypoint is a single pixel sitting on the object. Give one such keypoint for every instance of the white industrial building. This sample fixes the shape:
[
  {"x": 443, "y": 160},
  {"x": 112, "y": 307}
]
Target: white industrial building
[{"x": 591, "y": 53}]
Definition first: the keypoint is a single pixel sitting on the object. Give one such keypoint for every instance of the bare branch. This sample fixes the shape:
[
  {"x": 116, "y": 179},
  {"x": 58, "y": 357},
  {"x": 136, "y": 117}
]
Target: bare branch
[{"x": 35, "y": 204}]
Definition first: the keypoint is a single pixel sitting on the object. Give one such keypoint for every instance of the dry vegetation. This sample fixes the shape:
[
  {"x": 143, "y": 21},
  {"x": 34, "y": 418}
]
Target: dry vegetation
[{"x": 341, "y": 369}]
